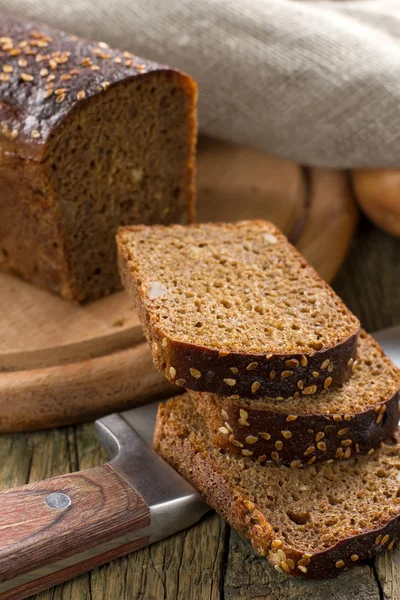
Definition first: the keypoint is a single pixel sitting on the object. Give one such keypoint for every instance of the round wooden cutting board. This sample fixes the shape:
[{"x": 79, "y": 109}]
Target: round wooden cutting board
[{"x": 61, "y": 363}]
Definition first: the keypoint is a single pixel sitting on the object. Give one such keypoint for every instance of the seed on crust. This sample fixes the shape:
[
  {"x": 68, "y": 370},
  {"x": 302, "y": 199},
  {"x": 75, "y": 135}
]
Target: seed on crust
[
  {"x": 195, "y": 373},
  {"x": 347, "y": 453},
  {"x": 268, "y": 356},
  {"x": 81, "y": 94},
  {"x": 243, "y": 414},
  {"x": 224, "y": 414},
  {"x": 251, "y": 366},
  {"x": 378, "y": 539},
  {"x": 278, "y": 445},
  {"x": 251, "y": 439},
  {"x": 350, "y": 362},
  {"x": 291, "y": 418},
  {"x": 264, "y": 435},
  {"x": 255, "y": 386},
  {"x": 371, "y": 451},
  {"x": 310, "y": 450},
  {"x": 172, "y": 372},
  {"x": 321, "y": 446},
  {"x": 276, "y": 543},
  {"x": 243, "y": 423},
  {"x": 346, "y": 443},
  {"x": 247, "y": 452},
  {"x": 224, "y": 430},
  {"x": 320, "y": 435},
  {"x": 339, "y": 564},
  {"x": 295, "y": 464},
  {"x": 286, "y": 434},
  {"x": 337, "y": 417},
  {"x": 327, "y": 382},
  {"x": 285, "y": 566},
  {"x": 272, "y": 375},
  {"x": 274, "y": 456},
  {"x": 237, "y": 443},
  {"x": 310, "y": 389},
  {"x": 164, "y": 342},
  {"x": 285, "y": 374},
  {"x": 302, "y": 568},
  {"x": 330, "y": 367},
  {"x": 223, "y": 353},
  {"x": 234, "y": 370},
  {"x": 261, "y": 458},
  {"x": 227, "y": 425},
  {"x": 325, "y": 364},
  {"x": 300, "y": 384},
  {"x": 384, "y": 540},
  {"x": 26, "y": 77},
  {"x": 315, "y": 374},
  {"x": 180, "y": 382},
  {"x": 390, "y": 546},
  {"x": 354, "y": 557},
  {"x": 230, "y": 382},
  {"x": 343, "y": 431},
  {"x": 379, "y": 419},
  {"x": 36, "y": 134},
  {"x": 303, "y": 361}
]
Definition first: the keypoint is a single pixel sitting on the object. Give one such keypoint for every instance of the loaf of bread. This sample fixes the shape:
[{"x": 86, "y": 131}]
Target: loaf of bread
[
  {"x": 351, "y": 419},
  {"x": 90, "y": 138},
  {"x": 234, "y": 309},
  {"x": 310, "y": 522}
]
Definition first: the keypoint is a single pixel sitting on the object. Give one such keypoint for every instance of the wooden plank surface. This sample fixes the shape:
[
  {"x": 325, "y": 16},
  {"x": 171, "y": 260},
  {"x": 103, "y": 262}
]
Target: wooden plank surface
[{"x": 209, "y": 561}]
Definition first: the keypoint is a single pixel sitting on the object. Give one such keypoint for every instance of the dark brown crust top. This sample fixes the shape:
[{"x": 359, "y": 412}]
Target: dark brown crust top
[
  {"x": 296, "y": 440},
  {"x": 200, "y": 469},
  {"x": 247, "y": 375},
  {"x": 46, "y": 73}
]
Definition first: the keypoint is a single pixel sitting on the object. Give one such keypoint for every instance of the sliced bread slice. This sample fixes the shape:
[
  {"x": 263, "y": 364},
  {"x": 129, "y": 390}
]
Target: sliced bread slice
[
  {"x": 353, "y": 418},
  {"x": 310, "y": 522},
  {"x": 234, "y": 309}
]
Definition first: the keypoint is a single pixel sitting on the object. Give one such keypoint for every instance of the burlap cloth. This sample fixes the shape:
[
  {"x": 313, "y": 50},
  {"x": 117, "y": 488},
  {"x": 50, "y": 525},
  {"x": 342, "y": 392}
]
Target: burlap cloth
[{"x": 317, "y": 82}]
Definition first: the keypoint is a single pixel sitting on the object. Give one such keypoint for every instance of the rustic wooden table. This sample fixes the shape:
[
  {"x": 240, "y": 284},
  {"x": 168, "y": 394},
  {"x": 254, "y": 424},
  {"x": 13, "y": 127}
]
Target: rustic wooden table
[{"x": 210, "y": 561}]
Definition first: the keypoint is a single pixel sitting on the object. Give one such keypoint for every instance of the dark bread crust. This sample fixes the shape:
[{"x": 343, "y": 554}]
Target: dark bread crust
[
  {"x": 32, "y": 119},
  {"x": 200, "y": 468},
  {"x": 215, "y": 367},
  {"x": 364, "y": 430}
]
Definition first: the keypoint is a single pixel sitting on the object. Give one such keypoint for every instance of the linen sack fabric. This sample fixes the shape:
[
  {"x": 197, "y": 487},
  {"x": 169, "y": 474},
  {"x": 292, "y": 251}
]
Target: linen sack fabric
[{"x": 314, "y": 81}]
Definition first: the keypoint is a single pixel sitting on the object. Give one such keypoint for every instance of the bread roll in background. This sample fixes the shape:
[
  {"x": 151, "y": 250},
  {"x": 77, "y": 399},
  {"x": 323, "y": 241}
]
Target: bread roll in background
[{"x": 378, "y": 194}]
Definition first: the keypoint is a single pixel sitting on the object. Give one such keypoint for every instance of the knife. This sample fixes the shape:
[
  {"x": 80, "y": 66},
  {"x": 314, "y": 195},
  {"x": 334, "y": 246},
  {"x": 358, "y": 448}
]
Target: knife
[{"x": 59, "y": 528}]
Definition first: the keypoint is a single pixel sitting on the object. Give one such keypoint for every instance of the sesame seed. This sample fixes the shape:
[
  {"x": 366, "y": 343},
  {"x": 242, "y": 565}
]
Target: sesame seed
[
  {"x": 44, "y": 72},
  {"x": 4, "y": 77},
  {"x": 234, "y": 397},
  {"x": 384, "y": 540},
  {"x": 286, "y": 373},
  {"x": 330, "y": 368},
  {"x": 285, "y": 566},
  {"x": 276, "y": 543},
  {"x": 66, "y": 77},
  {"x": 343, "y": 431},
  {"x": 291, "y": 418},
  {"x": 302, "y": 568},
  {"x": 74, "y": 71},
  {"x": 296, "y": 395},
  {"x": 383, "y": 409},
  {"x": 379, "y": 419},
  {"x": 236, "y": 443},
  {"x": 279, "y": 398},
  {"x": 36, "y": 134},
  {"x": 337, "y": 417},
  {"x": 243, "y": 423},
  {"x": 251, "y": 439},
  {"x": 52, "y": 64},
  {"x": 315, "y": 374},
  {"x": 251, "y": 366},
  {"x": 255, "y": 386},
  {"x": 303, "y": 361},
  {"x": 51, "y": 77},
  {"x": 105, "y": 85},
  {"x": 118, "y": 60},
  {"x": 392, "y": 543},
  {"x": 354, "y": 557},
  {"x": 300, "y": 384},
  {"x": 61, "y": 98},
  {"x": 339, "y": 564},
  {"x": 350, "y": 362},
  {"x": 312, "y": 460},
  {"x": 195, "y": 373},
  {"x": 261, "y": 458},
  {"x": 268, "y": 356},
  {"x": 48, "y": 93},
  {"x": 26, "y": 77},
  {"x": 95, "y": 68},
  {"x": 224, "y": 414},
  {"x": 346, "y": 442},
  {"x": 320, "y": 435},
  {"x": 243, "y": 414},
  {"x": 223, "y": 353},
  {"x": 287, "y": 434},
  {"x": 264, "y": 435},
  {"x": 8, "y": 69},
  {"x": 224, "y": 430},
  {"x": 272, "y": 375},
  {"x": 278, "y": 445},
  {"x": 180, "y": 382},
  {"x": 234, "y": 370},
  {"x": 247, "y": 452},
  {"x": 325, "y": 364},
  {"x": 310, "y": 450},
  {"x": 311, "y": 389},
  {"x": 227, "y": 425},
  {"x": 81, "y": 94},
  {"x": 378, "y": 539},
  {"x": 60, "y": 91},
  {"x": 172, "y": 372},
  {"x": 307, "y": 555},
  {"x": 357, "y": 446},
  {"x": 321, "y": 446},
  {"x": 274, "y": 456},
  {"x": 292, "y": 362},
  {"x": 230, "y": 382},
  {"x": 347, "y": 453},
  {"x": 295, "y": 464}
]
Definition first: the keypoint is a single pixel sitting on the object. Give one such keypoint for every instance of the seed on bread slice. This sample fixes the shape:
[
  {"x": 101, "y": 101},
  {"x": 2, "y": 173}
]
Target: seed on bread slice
[
  {"x": 234, "y": 309},
  {"x": 337, "y": 423},
  {"x": 310, "y": 522}
]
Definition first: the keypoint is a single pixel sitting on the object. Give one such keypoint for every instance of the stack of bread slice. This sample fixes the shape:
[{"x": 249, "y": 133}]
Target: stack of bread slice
[{"x": 288, "y": 426}]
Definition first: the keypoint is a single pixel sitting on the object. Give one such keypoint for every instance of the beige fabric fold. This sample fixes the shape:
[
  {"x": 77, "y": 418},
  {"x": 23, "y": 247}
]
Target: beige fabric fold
[{"x": 317, "y": 82}]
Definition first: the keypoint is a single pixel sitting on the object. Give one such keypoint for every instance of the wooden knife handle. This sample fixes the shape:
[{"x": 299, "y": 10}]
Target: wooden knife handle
[{"x": 55, "y": 519}]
